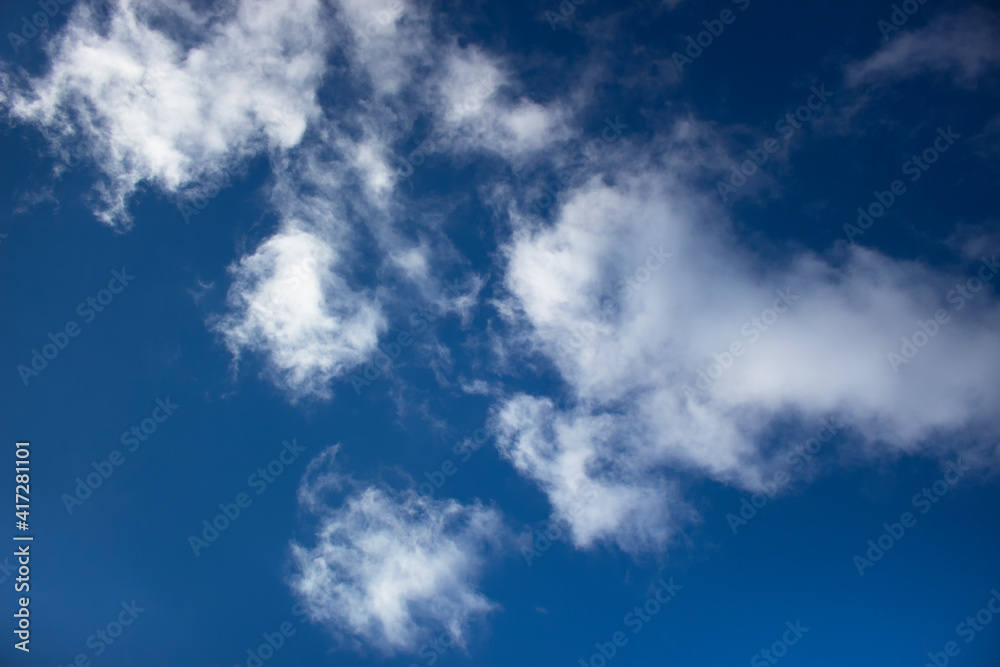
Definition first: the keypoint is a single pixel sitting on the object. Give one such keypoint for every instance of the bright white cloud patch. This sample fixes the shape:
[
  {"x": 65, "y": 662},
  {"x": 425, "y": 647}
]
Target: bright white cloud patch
[
  {"x": 680, "y": 351},
  {"x": 150, "y": 107},
  {"x": 289, "y": 302},
  {"x": 391, "y": 568}
]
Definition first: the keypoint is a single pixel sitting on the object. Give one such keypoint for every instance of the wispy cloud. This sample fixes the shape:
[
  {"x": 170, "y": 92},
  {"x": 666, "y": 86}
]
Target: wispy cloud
[
  {"x": 965, "y": 45},
  {"x": 387, "y": 567}
]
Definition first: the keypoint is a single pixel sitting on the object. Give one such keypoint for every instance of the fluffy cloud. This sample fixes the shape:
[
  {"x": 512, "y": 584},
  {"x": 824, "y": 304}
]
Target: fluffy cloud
[
  {"x": 963, "y": 45},
  {"x": 390, "y": 568},
  {"x": 160, "y": 93},
  {"x": 289, "y": 302},
  {"x": 637, "y": 294}
]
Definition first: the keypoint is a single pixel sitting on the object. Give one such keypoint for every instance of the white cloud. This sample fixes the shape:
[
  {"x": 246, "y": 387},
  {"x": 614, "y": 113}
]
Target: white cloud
[
  {"x": 394, "y": 50},
  {"x": 964, "y": 45},
  {"x": 632, "y": 371},
  {"x": 476, "y": 113},
  {"x": 151, "y": 108},
  {"x": 579, "y": 460},
  {"x": 389, "y": 40},
  {"x": 289, "y": 302},
  {"x": 370, "y": 161},
  {"x": 391, "y": 568}
]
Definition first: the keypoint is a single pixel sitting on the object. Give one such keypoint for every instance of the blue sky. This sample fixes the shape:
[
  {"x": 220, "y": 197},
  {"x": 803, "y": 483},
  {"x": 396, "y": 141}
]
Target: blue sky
[{"x": 402, "y": 333}]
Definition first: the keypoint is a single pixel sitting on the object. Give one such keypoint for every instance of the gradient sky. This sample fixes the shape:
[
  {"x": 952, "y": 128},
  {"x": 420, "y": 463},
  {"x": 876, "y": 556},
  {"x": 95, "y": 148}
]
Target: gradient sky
[{"x": 404, "y": 333}]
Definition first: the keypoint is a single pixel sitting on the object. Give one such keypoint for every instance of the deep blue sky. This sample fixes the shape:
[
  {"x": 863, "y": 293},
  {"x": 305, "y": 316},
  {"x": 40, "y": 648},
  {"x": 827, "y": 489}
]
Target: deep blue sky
[{"x": 184, "y": 329}]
